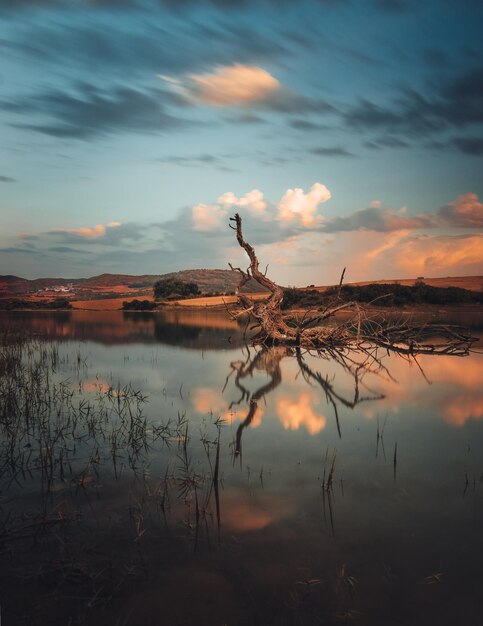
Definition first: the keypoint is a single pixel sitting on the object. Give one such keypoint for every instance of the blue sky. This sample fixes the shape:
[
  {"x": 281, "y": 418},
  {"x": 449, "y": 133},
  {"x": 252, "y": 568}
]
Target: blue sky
[{"x": 124, "y": 122}]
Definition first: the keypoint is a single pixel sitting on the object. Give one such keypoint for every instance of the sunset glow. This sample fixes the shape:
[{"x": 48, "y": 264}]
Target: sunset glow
[{"x": 131, "y": 159}]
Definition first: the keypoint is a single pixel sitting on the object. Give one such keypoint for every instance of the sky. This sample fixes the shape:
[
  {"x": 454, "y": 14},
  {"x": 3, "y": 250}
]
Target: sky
[{"x": 346, "y": 133}]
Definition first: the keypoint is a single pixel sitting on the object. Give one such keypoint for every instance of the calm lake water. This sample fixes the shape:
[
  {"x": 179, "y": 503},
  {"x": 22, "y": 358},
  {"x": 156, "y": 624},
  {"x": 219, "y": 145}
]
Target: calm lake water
[{"x": 156, "y": 471}]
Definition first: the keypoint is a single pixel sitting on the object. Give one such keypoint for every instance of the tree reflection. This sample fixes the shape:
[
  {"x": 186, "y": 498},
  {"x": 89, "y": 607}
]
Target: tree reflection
[{"x": 268, "y": 360}]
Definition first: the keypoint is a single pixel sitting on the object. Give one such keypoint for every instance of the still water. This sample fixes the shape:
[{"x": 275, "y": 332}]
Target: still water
[{"x": 156, "y": 471}]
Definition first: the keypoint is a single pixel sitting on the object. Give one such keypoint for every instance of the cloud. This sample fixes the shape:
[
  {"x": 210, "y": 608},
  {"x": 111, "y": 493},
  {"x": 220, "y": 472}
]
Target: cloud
[
  {"x": 253, "y": 201},
  {"x": 456, "y": 103},
  {"x": 335, "y": 151},
  {"x": 208, "y": 217},
  {"x": 95, "y": 232},
  {"x": 7, "y": 179},
  {"x": 194, "y": 160},
  {"x": 174, "y": 5},
  {"x": 302, "y": 124},
  {"x": 464, "y": 212},
  {"x": 389, "y": 243},
  {"x": 243, "y": 86},
  {"x": 18, "y": 250},
  {"x": 469, "y": 145},
  {"x": 379, "y": 219},
  {"x": 296, "y": 205},
  {"x": 161, "y": 45},
  {"x": 19, "y": 4},
  {"x": 386, "y": 142},
  {"x": 91, "y": 112},
  {"x": 295, "y": 209},
  {"x": 432, "y": 255},
  {"x": 298, "y": 209},
  {"x": 92, "y": 233},
  {"x": 285, "y": 100},
  {"x": 67, "y": 250},
  {"x": 462, "y": 407},
  {"x": 208, "y": 400},
  {"x": 233, "y": 86},
  {"x": 245, "y": 117},
  {"x": 296, "y": 413}
]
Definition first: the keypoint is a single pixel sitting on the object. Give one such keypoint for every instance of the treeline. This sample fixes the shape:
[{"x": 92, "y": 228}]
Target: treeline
[
  {"x": 17, "y": 303},
  {"x": 138, "y": 305},
  {"x": 383, "y": 295},
  {"x": 174, "y": 289}
]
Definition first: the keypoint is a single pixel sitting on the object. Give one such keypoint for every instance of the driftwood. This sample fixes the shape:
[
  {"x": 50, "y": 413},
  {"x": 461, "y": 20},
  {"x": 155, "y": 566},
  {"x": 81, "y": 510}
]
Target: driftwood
[{"x": 314, "y": 332}]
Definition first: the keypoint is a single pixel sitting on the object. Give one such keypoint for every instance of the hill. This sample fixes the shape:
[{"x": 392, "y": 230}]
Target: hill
[
  {"x": 129, "y": 286},
  {"x": 208, "y": 280},
  {"x": 385, "y": 294}
]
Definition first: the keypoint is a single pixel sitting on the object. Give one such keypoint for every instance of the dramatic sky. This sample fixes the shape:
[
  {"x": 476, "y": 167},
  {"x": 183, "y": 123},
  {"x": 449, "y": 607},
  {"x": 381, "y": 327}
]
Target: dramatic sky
[{"x": 345, "y": 132}]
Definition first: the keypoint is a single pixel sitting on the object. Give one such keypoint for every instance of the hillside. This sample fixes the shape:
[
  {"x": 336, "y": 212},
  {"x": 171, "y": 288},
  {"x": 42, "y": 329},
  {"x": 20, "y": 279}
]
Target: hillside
[
  {"x": 129, "y": 286},
  {"x": 208, "y": 281}
]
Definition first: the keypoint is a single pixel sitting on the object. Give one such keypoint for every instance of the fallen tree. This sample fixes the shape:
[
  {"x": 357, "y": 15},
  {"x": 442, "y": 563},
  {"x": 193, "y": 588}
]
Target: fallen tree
[{"x": 316, "y": 330}]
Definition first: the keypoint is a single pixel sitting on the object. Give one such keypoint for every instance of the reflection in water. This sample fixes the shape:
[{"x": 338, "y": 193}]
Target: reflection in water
[
  {"x": 197, "y": 330},
  {"x": 120, "y": 502},
  {"x": 295, "y": 412}
]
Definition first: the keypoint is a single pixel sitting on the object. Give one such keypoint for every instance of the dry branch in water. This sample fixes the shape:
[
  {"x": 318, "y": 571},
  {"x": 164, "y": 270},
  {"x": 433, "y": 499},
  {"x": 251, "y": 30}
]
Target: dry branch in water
[{"x": 275, "y": 327}]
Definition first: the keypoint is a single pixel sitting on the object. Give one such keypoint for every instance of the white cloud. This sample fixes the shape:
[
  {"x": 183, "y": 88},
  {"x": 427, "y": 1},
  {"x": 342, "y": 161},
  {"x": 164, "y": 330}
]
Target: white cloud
[
  {"x": 299, "y": 206},
  {"x": 295, "y": 207},
  {"x": 253, "y": 200}
]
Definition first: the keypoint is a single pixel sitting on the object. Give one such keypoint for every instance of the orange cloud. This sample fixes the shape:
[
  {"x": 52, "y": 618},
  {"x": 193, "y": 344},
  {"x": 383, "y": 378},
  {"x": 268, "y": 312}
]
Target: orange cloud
[
  {"x": 94, "y": 232},
  {"x": 296, "y": 413},
  {"x": 456, "y": 383},
  {"x": 235, "y": 85},
  {"x": 96, "y": 386},
  {"x": 390, "y": 240},
  {"x": 206, "y": 400},
  {"x": 240, "y": 514},
  {"x": 243, "y": 517},
  {"x": 425, "y": 254},
  {"x": 90, "y": 233},
  {"x": 462, "y": 408}
]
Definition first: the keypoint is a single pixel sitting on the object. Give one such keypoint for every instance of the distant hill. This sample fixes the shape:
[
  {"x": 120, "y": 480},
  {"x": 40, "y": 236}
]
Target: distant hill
[
  {"x": 13, "y": 285},
  {"x": 208, "y": 281}
]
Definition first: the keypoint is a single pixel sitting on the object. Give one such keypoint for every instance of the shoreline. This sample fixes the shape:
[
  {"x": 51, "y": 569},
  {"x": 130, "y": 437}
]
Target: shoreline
[{"x": 177, "y": 306}]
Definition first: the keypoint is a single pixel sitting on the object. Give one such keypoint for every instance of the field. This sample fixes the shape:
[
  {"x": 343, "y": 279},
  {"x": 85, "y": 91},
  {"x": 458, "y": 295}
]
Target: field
[
  {"x": 473, "y": 283},
  {"x": 117, "y": 294}
]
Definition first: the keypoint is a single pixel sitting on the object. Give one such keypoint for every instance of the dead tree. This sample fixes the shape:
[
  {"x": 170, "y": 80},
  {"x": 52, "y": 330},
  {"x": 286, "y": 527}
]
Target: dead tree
[{"x": 314, "y": 332}]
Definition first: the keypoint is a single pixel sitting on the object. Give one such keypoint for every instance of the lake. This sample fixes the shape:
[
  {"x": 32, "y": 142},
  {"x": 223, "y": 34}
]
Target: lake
[{"x": 156, "y": 470}]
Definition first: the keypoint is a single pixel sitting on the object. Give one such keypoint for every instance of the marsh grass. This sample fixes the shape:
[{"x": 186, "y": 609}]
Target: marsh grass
[{"x": 63, "y": 449}]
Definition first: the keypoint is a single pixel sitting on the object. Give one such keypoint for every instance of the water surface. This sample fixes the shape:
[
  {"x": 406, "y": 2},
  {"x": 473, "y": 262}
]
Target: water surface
[{"x": 170, "y": 475}]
